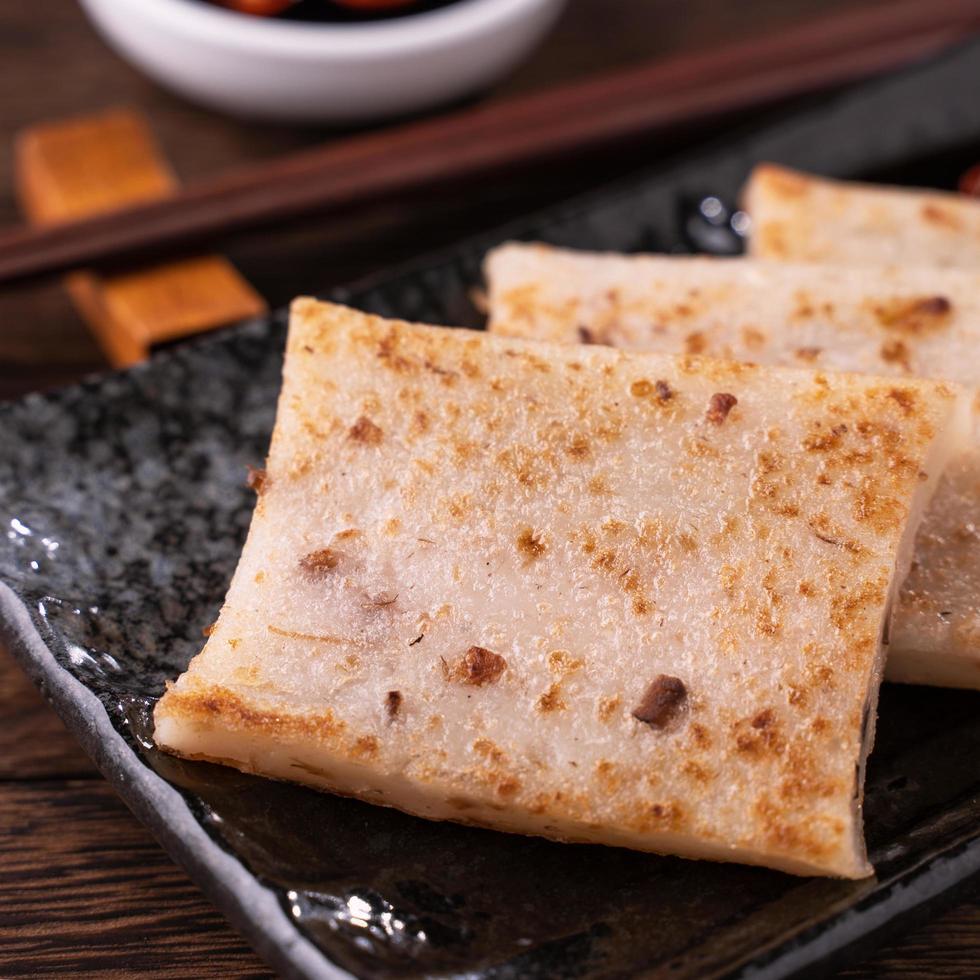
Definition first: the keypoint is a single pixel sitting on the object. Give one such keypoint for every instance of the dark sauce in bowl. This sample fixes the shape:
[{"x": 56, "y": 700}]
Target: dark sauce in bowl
[
  {"x": 325, "y": 12},
  {"x": 329, "y": 12}
]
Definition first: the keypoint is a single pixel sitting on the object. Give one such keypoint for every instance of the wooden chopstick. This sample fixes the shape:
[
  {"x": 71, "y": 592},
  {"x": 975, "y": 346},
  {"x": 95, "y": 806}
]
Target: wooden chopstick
[{"x": 830, "y": 51}]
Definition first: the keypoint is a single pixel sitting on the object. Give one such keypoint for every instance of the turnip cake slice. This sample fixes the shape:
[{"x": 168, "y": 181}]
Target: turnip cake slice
[
  {"x": 800, "y": 218},
  {"x": 880, "y": 320},
  {"x": 577, "y": 592}
]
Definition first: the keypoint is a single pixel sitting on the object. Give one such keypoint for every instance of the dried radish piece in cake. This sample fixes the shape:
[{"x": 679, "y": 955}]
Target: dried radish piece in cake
[{"x": 593, "y": 595}]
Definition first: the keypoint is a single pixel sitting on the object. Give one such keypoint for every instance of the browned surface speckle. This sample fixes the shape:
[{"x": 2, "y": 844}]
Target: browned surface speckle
[
  {"x": 808, "y": 354},
  {"x": 598, "y": 485},
  {"x": 660, "y": 816},
  {"x": 906, "y": 400},
  {"x": 491, "y": 752},
  {"x": 700, "y": 736},
  {"x": 365, "y": 432},
  {"x": 695, "y": 343},
  {"x": 823, "y": 440},
  {"x": 530, "y": 544},
  {"x": 698, "y": 772},
  {"x": 608, "y": 707},
  {"x": 508, "y": 787},
  {"x": 578, "y": 447},
  {"x": 938, "y": 215},
  {"x": 366, "y": 747},
  {"x": 478, "y": 666},
  {"x": 849, "y": 606},
  {"x": 318, "y": 563},
  {"x": 562, "y": 663},
  {"x": 914, "y": 316},
  {"x": 758, "y": 736},
  {"x": 532, "y": 467},
  {"x": 607, "y": 775},
  {"x": 551, "y": 700},
  {"x": 785, "y": 834},
  {"x": 896, "y": 352}
]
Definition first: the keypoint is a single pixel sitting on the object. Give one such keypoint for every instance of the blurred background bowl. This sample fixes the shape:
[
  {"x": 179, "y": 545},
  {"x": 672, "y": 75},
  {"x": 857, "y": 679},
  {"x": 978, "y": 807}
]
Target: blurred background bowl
[{"x": 307, "y": 72}]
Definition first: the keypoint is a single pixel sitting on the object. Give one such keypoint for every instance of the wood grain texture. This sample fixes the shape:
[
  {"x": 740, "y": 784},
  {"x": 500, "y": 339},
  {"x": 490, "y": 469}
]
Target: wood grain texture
[
  {"x": 94, "y": 896},
  {"x": 34, "y": 743},
  {"x": 481, "y": 141},
  {"x": 61, "y": 828},
  {"x": 948, "y": 948},
  {"x": 85, "y": 891}
]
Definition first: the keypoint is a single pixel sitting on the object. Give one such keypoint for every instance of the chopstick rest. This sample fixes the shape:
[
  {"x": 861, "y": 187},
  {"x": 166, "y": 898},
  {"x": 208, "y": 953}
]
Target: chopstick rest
[{"x": 72, "y": 169}]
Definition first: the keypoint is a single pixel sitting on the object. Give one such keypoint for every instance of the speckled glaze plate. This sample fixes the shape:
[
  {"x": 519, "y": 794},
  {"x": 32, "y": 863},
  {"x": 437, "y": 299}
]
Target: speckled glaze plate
[{"x": 122, "y": 511}]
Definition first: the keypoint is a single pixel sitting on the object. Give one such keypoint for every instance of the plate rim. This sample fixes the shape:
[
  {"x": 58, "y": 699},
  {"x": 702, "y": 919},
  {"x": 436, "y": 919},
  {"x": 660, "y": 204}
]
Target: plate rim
[{"x": 252, "y": 908}]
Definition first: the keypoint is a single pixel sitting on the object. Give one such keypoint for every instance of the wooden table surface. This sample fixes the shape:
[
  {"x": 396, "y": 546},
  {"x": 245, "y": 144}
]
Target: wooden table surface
[{"x": 84, "y": 890}]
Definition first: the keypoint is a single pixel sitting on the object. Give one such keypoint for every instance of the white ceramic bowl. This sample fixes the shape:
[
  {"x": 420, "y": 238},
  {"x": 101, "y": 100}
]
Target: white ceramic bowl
[{"x": 323, "y": 73}]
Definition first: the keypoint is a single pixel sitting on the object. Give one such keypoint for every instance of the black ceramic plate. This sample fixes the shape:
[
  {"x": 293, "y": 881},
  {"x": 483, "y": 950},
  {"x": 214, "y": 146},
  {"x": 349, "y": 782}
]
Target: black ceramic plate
[{"x": 122, "y": 511}]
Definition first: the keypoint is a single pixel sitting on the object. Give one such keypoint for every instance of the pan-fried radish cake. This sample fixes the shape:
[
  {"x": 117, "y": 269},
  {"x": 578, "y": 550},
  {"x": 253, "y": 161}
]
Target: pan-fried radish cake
[
  {"x": 801, "y": 218},
  {"x": 589, "y": 594},
  {"x": 897, "y": 321}
]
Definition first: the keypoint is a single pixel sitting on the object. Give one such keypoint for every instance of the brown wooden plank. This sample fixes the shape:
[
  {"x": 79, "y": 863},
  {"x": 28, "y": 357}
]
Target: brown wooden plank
[
  {"x": 947, "y": 948},
  {"x": 34, "y": 744},
  {"x": 483, "y": 140},
  {"x": 86, "y": 892}
]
